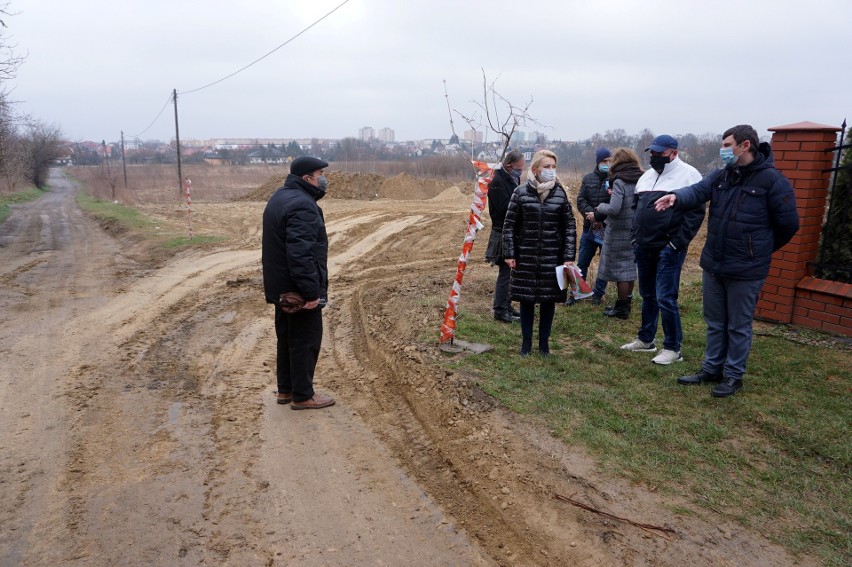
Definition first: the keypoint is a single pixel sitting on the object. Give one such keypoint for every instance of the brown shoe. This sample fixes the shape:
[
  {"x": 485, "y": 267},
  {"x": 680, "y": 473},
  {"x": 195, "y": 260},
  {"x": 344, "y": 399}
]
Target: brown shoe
[
  {"x": 317, "y": 402},
  {"x": 282, "y": 398}
]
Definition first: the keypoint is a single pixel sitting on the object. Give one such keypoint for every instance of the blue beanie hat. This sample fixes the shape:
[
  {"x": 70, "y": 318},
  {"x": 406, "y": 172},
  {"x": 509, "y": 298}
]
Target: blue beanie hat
[{"x": 601, "y": 154}]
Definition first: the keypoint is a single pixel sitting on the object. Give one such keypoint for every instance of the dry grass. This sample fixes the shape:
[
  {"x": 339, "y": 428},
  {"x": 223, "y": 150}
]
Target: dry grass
[{"x": 158, "y": 184}]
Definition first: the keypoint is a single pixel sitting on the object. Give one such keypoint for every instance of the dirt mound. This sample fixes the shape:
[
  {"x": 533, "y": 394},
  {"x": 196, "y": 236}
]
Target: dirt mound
[
  {"x": 407, "y": 187},
  {"x": 263, "y": 192},
  {"x": 452, "y": 196},
  {"x": 361, "y": 186},
  {"x": 366, "y": 186}
]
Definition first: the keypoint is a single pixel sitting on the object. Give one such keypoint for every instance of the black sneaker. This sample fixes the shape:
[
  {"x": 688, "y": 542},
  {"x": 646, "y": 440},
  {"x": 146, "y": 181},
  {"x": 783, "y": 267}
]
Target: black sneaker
[
  {"x": 700, "y": 378},
  {"x": 597, "y": 299},
  {"x": 727, "y": 388},
  {"x": 504, "y": 318},
  {"x": 570, "y": 301}
]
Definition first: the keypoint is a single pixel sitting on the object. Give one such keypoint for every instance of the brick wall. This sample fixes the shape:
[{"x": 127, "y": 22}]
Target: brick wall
[{"x": 790, "y": 295}]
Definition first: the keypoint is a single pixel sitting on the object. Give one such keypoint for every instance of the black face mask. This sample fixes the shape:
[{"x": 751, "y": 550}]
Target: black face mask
[
  {"x": 659, "y": 162},
  {"x": 516, "y": 175}
]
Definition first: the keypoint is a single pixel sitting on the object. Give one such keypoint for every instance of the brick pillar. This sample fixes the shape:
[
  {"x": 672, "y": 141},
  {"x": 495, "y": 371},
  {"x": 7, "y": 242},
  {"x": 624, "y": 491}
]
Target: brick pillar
[{"x": 799, "y": 151}]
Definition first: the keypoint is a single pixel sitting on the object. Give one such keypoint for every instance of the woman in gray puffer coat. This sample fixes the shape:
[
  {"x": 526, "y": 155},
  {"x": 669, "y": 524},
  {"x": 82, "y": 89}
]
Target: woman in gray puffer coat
[{"x": 539, "y": 233}]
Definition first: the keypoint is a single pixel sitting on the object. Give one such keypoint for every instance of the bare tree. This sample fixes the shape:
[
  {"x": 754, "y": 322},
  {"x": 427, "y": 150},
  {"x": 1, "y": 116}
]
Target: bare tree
[
  {"x": 42, "y": 144},
  {"x": 10, "y": 162},
  {"x": 9, "y": 61},
  {"x": 498, "y": 113}
]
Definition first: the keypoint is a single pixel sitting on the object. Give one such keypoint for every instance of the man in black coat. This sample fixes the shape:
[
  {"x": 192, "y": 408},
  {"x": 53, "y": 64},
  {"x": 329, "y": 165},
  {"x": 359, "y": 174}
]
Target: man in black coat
[
  {"x": 593, "y": 192},
  {"x": 295, "y": 271},
  {"x": 500, "y": 190},
  {"x": 752, "y": 214}
]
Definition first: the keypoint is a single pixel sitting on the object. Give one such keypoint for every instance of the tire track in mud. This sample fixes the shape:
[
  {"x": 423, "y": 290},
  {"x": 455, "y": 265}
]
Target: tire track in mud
[{"x": 408, "y": 405}]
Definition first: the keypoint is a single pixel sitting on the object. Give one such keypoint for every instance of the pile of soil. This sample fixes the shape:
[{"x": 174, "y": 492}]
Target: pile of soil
[{"x": 367, "y": 186}]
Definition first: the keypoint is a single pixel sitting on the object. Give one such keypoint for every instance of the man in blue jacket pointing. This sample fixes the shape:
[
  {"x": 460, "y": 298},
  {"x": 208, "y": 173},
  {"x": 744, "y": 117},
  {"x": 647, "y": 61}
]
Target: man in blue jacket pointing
[{"x": 752, "y": 214}]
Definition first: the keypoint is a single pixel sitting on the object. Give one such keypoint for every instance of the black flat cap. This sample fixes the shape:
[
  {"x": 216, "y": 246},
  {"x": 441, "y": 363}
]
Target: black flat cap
[{"x": 305, "y": 165}]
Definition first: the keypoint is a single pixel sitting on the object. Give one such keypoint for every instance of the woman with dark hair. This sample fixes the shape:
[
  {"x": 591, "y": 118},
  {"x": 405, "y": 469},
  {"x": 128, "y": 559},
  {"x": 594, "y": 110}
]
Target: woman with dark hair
[
  {"x": 539, "y": 234},
  {"x": 617, "y": 261},
  {"x": 506, "y": 179}
]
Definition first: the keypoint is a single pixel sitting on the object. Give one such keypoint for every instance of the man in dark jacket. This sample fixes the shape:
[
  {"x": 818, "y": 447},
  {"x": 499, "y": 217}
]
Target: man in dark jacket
[
  {"x": 752, "y": 214},
  {"x": 295, "y": 265},
  {"x": 593, "y": 192},
  {"x": 500, "y": 190},
  {"x": 660, "y": 243}
]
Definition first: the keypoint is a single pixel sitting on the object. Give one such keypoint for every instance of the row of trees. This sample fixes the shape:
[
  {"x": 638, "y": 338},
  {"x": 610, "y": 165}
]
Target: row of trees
[
  {"x": 28, "y": 146},
  {"x": 702, "y": 152}
]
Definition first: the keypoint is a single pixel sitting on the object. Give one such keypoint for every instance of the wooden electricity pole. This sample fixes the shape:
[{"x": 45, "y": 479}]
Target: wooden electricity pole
[
  {"x": 177, "y": 145},
  {"x": 123, "y": 161}
]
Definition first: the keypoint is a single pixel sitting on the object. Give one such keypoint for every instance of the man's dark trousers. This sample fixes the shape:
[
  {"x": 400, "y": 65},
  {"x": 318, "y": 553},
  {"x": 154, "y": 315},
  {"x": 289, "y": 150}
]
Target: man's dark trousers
[
  {"x": 729, "y": 312},
  {"x": 502, "y": 303},
  {"x": 299, "y": 341}
]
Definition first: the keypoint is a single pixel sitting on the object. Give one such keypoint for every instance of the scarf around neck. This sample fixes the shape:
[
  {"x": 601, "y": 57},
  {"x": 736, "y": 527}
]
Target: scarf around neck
[{"x": 543, "y": 189}]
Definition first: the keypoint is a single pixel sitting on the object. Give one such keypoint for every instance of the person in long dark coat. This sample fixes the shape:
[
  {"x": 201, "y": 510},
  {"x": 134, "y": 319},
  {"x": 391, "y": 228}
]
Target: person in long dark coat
[
  {"x": 295, "y": 263},
  {"x": 539, "y": 234},
  {"x": 500, "y": 190}
]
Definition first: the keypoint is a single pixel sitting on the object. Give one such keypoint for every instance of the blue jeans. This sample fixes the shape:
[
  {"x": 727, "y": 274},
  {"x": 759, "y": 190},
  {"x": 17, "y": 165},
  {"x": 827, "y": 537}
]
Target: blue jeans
[
  {"x": 729, "y": 312},
  {"x": 588, "y": 247},
  {"x": 659, "y": 282}
]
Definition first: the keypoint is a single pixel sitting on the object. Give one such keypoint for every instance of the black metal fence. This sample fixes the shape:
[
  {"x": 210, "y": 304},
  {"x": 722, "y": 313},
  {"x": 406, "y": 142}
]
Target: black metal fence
[{"x": 834, "y": 261}]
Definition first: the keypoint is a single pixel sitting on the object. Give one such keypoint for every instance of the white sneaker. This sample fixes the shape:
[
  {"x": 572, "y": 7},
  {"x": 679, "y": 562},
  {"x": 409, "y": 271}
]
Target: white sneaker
[
  {"x": 667, "y": 356},
  {"x": 639, "y": 346}
]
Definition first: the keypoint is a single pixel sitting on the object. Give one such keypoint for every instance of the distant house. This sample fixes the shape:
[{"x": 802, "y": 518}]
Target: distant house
[
  {"x": 266, "y": 155},
  {"x": 215, "y": 158}
]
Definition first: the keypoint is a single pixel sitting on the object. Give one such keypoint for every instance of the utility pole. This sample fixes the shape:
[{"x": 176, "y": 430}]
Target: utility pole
[
  {"x": 109, "y": 173},
  {"x": 177, "y": 145},
  {"x": 123, "y": 161}
]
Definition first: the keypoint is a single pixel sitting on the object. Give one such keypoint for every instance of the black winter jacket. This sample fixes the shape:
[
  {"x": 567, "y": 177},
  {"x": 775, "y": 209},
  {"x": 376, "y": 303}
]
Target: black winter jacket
[
  {"x": 654, "y": 230},
  {"x": 592, "y": 193},
  {"x": 752, "y": 214},
  {"x": 499, "y": 192},
  {"x": 539, "y": 236},
  {"x": 295, "y": 243}
]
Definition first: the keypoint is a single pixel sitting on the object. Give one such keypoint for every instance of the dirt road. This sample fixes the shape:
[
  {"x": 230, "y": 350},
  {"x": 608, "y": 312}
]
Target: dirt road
[{"x": 138, "y": 425}]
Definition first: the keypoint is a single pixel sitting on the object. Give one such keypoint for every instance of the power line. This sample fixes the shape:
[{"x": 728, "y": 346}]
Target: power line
[
  {"x": 168, "y": 100},
  {"x": 268, "y": 54}
]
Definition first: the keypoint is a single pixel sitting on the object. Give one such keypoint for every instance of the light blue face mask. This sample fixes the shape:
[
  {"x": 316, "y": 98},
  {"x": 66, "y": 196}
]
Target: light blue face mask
[
  {"x": 603, "y": 167},
  {"x": 727, "y": 156},
  {"x": 547, "y": 175}
]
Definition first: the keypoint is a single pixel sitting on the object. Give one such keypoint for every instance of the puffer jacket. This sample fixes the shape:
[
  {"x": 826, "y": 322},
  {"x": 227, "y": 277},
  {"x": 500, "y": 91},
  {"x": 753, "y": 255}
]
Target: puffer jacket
[
  {"x": 752, "y": 214},
  {"x": 539, "y": 236},
  {"x": 295, "y": 242},
  {"x": 592, "y": 193}
]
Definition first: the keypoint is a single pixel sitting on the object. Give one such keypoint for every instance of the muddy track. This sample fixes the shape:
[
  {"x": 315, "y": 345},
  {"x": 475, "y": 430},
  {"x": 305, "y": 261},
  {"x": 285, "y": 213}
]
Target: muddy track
[{"x": 150, "y": 434}]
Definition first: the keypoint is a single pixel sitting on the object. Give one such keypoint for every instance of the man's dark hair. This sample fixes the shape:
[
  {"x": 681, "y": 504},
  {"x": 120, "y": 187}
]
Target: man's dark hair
[
  {"x": 512, "y": 156},
  {"x": 742, "y": 133}
]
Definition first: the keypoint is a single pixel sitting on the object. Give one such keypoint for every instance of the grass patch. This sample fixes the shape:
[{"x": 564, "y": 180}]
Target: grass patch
[
  {"x": 185, "y": 241},
  {"x": 119, "y": 219},
  {"x": 113, "y": 213},
  {"x": 775, "y": 457},
  {"x": 30, "y": 194}
]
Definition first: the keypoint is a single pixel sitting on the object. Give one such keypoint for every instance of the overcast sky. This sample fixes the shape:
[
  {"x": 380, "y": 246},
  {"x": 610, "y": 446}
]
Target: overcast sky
[{"x": 95, "y": 68}]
